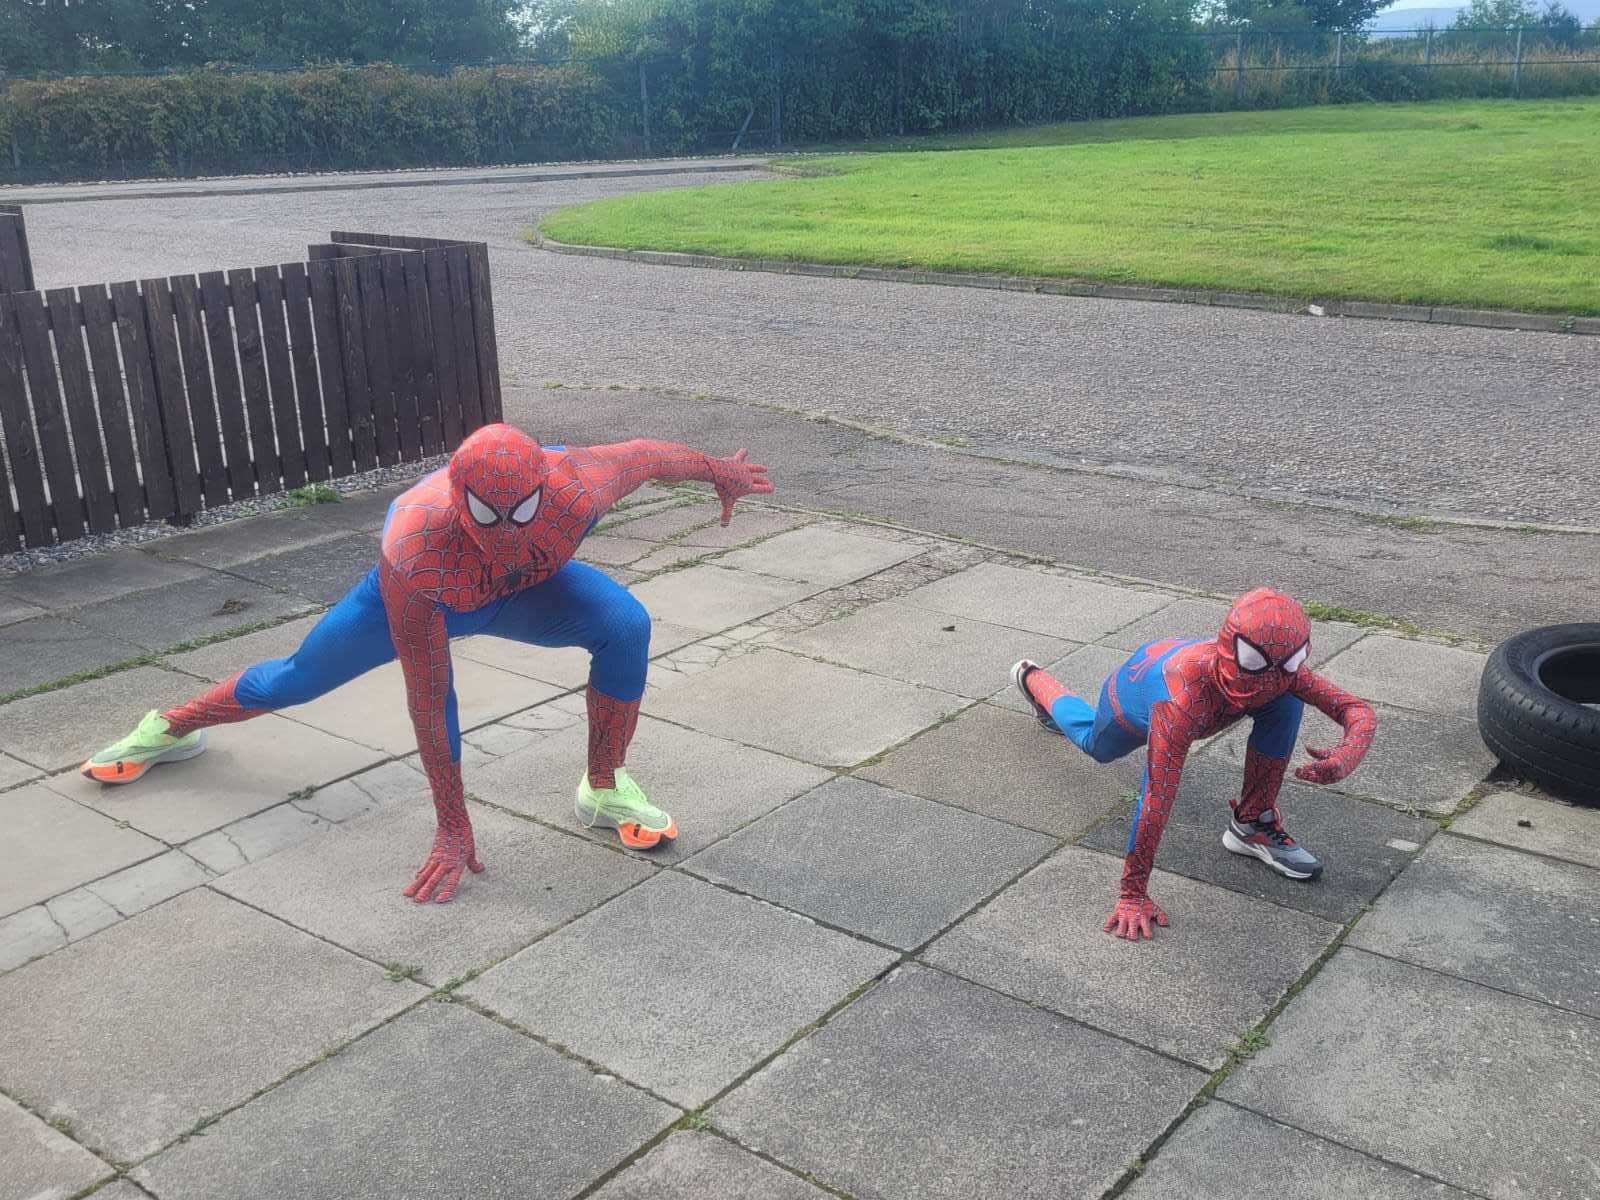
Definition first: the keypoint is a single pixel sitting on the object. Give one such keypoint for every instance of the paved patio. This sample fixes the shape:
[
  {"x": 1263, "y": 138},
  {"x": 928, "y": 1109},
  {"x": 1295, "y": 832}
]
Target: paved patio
[{"x": 871, "y": 966}]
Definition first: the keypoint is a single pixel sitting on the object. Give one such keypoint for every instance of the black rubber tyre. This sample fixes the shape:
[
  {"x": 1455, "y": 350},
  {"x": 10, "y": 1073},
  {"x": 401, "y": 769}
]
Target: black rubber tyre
[{"x": 1531, "y": 708}]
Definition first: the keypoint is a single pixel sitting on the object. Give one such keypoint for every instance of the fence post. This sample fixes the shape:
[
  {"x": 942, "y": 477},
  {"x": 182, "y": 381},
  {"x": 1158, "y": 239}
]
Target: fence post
[
  {"x": 644, "y": 105},
  {"x": 1238, "y": 69},
  {"x": 777, "y": 97},
  {"x": 1427, "y": 51},
  {"x": 1338, "y": 54},
  {"x": 1516, "y": 70}
]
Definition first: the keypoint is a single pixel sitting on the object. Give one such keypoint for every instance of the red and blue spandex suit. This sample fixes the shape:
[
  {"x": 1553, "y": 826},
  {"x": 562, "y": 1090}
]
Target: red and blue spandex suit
[
  {"x": 484, "y": 546},
  {"x": 1173, "y": 693}
]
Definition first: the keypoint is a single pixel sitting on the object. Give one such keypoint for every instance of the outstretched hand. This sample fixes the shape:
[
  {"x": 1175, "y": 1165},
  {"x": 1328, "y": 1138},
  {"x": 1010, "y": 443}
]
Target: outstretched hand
[
  {"x": 1132, "y": 916},
  {"x": 1329, "y": 765},
  {"x": 734, "y": 477}
]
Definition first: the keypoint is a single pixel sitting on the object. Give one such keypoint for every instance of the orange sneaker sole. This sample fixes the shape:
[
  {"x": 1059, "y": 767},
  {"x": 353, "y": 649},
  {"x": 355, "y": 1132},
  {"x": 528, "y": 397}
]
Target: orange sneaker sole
[
  {"x": 636, "y": 837},
  {"x": 117, "y": 772}
]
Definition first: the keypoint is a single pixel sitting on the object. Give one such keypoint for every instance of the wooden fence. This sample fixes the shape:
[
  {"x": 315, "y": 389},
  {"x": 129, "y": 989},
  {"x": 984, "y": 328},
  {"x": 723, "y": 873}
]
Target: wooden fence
[
  {"x": 155, "y": 400},
  {"x": 16, "y": 268}
]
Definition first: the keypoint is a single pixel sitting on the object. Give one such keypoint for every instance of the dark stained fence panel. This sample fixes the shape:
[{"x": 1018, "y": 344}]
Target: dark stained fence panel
[
  {"x": 49, "y": 417},
  {"x": 77, "y": 397},
  {"x": 197, "y": 381},
  {"x": 303, "y": 353},
  {"x": 22, "y": 447},
  {"x": 100, "y": 331},
  {"x": 147, "y": 329},
  {"x": 141, "y": 401}
]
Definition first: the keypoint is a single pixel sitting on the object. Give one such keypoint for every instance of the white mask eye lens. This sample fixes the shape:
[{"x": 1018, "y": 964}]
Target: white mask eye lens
[
  {"x": 1296, "y": 660},
  {"x": 523, "y": 513},
  {"x": 1249, "y": 657},
  {"x": 481, "y": 512}
]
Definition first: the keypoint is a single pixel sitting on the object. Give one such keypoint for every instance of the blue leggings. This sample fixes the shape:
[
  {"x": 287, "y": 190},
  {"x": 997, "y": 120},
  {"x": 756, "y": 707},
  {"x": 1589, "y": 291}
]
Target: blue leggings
[
  {"x": 577, "y": 606},
  {"x": 1096, "y": 731}
]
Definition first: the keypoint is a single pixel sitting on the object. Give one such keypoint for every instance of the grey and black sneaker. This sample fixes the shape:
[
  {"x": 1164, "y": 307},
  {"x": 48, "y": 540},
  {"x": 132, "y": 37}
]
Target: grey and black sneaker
[
  {"x": 1019, "y": 676},
  {"x": 1264, "y": 838}
]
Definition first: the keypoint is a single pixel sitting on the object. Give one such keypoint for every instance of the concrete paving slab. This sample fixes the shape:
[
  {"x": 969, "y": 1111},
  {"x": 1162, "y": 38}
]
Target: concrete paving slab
[
  {"x": 210, "y": 606},
  {"x": 345, "y": 886},
  {"x": 1498, "y": 917},
  {"x": 41, "y": 1164},
  {"x": 1081, "y": 671},
  {"x": 1417, "y": 760},
  {"x": 818, "y": 554},
  {"x": 1417, "y": 675},
  {"x": 709, "y": 785},
  {"x": 247, "y": 767},
  {"x": 229, "y": 543},
  {"x": 1535, "y": 823},
  {"x": 807, "y": 710},
  {"x": 1202, "y": 1161},
  {"x": 363, "y": 511},
  {"x": 747, "y": 525},
  {"x": 953, "y": 654},
  {"x": 607, "y": 550},
  {"x": 51, "y": 648},
  {"x": 53, "y": 845},
  {"x": 566, "y": 667},
  {"x": 80, "y": 912},
  {"x": 371, "y": 709},
  {"x": 929, "y": 1086},
  {"x": 667, "y": 522},
  {"x": 1362, "y": 845},
  {"x": 28, "y": 934},
  {"x": 13, "y": 610},
  {"x": 1207, "y": 977},
  {"x": 136, "y": 888},
  {"x": 1489, "y": 1092},
  {"x": 863, "y": 857},
  {"x": 212, "y": 1001},
  {"x": 14, "y": 771},
  {"x": 322, "y": 572},
  {"x": 1193, "y": 617},
  {"x": 485, "y": 1112},
  {"x": 693, "y": 1166},
  {"x": 712, "y": 598},
  {"x": 260, "y": 836},
  {"x": 1002, "y": 764},
  {"x": 725, "y": 981},
  {"x": 1078, "y": 610},
  {"x": 62, "y": 728},
  {"x": 219, "y": 660},
  {"x": 99, "y": 577}
]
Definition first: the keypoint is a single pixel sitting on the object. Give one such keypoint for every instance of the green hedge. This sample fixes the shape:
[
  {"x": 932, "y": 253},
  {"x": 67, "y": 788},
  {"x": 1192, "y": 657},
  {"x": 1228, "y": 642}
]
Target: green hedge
[{"x": 216, "y": 122}]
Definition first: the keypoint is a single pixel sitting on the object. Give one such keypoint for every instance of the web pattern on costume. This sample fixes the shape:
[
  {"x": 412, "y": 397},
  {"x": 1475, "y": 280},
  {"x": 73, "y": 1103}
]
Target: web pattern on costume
[
  {"x": 1207, "y": 690},
  {"x": 504, "y": 516}
]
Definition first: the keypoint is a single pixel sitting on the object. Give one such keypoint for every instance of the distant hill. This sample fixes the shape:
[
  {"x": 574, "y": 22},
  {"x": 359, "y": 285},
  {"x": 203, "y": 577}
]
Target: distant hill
[{"x": 1398, "y": 19}]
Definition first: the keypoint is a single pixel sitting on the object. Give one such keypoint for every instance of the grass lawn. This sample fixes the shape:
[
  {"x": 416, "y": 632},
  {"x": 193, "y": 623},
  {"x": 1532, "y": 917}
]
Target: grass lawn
[{"x": 1482, "y": 204}]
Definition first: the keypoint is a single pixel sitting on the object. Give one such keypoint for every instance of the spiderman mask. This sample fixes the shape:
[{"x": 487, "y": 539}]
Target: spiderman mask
[
  {"x": 497, "y": 481},
  {"x": 1264, "y": 641}
]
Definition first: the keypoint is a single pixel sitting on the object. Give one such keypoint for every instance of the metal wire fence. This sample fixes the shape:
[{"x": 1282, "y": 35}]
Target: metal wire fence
[{"x": 547, "y": 108}]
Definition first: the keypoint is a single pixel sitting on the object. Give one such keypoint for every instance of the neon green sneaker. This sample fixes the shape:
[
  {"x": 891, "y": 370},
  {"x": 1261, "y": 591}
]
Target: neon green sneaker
[
  {"x": 624, "y": 808},
  {"x": 147, "y": 745}
]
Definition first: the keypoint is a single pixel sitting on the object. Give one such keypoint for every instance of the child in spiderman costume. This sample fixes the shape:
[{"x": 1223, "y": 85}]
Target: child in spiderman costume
[
  {"x": 1172, "y": 693},
  {"x": 483, "y": 545}
]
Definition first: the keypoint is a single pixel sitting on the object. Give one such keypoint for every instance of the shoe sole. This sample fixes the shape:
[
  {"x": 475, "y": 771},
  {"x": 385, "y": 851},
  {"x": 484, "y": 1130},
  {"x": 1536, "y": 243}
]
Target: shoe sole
[
  {"x": 1041, "y": 714},
  {"x": 118, "y": 773},
  {"x": 632, "y": 834},
  {"x": 1231, "y": 842}
]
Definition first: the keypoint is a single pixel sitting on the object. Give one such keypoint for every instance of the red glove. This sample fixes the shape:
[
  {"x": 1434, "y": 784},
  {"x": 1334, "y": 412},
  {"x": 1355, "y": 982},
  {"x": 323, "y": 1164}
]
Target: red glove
[
  {"x": 1332, "y": 763},
  {"x": 733, "y": 477},
  {"x": 1132, "y": 916}
]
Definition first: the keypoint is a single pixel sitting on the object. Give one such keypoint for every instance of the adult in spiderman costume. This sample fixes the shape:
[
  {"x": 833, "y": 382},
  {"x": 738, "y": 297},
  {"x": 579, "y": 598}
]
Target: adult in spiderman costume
[
  {"x": 1172, "y": 693},
  {"x": 483, "y": 545}
]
